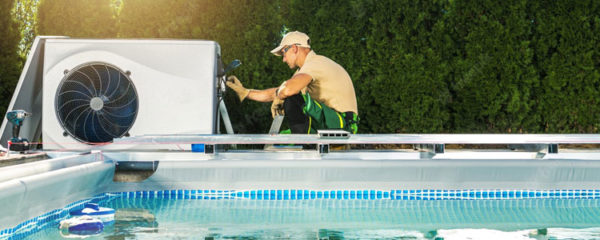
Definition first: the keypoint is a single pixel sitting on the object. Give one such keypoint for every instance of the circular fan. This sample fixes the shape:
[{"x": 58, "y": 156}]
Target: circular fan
[{"x": 96, "y": 102}]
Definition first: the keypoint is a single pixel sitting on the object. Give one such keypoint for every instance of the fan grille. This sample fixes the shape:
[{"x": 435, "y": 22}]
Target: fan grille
[{"x": 96, "y": 102}]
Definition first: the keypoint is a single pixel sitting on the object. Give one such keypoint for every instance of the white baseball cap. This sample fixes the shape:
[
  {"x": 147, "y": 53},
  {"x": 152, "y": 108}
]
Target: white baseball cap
[{"x": 292, "y": 38}]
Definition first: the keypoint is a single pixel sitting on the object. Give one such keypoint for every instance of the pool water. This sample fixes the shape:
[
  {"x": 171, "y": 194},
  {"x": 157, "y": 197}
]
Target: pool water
[{"x": 158, "y": 218}]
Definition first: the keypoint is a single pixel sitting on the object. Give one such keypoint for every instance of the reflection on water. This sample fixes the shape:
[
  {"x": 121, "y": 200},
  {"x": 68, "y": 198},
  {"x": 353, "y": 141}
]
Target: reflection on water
[
  {"x": 350, "y": 219},
  {"x": 129, "y": 222}
]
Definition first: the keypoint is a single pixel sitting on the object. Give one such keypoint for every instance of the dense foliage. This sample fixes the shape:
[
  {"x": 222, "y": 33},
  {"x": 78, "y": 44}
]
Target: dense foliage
[
  {"x": 85, "y": 19},
  {"x": 417, "y": 66},
  {"x": 10, "y": 62},
  {"x": 566, "y": 48}
]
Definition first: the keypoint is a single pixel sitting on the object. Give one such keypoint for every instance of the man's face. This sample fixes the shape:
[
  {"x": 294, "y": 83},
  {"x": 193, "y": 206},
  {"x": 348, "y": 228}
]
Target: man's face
[{"x": 289, "y": 55}]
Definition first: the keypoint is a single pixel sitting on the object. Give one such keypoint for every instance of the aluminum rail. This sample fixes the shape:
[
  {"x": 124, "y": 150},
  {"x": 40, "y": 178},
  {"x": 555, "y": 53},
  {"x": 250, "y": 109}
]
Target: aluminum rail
[{"x": 365, "y": 139}]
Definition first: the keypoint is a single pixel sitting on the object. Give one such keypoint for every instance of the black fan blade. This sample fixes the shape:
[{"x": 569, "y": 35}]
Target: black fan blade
[{"x": 96, "y": 103}]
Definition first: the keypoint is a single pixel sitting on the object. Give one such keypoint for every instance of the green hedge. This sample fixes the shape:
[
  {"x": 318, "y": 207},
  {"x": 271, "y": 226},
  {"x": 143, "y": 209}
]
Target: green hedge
[
  {"x": 566, "y": 40},
  {"x": 10, "y": 62},
  {"x": 418, "y": 66},
  {"x": 80, "y": 19},
  {"x": 493, "y": 71}
]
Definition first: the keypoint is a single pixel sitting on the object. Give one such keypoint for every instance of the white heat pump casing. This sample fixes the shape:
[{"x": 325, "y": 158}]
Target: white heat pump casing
[{"x": 175, "y": 81}]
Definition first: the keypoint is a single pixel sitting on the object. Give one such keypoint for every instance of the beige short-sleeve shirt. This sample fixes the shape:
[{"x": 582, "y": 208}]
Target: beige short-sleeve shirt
[{"x": 330, "y": 83}]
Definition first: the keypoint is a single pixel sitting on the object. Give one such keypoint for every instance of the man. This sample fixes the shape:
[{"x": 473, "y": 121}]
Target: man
[{"x": 320, "y": 95}]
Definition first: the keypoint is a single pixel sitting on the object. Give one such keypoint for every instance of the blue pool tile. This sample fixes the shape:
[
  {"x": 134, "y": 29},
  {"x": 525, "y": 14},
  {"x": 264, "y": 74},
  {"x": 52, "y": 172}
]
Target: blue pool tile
[
  {"x": 260, "y": 195},
  {"x": 269, "y": 196},
  {"x": 286, "y": 194}
]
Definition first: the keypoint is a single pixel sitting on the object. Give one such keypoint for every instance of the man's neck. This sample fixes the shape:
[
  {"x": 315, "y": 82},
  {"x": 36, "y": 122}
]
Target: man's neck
[{"x": 302, "y": 57}]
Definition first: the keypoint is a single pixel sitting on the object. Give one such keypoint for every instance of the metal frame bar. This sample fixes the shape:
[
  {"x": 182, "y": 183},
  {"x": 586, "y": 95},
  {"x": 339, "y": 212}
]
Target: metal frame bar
[{"x": 366, "y": 139}]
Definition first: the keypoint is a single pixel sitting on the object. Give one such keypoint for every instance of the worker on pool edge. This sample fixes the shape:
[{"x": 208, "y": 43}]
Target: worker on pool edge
[{"x": 320, "y": 94}]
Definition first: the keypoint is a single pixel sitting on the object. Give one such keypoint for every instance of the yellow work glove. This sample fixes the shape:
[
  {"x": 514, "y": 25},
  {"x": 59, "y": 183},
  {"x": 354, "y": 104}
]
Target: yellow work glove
[
  {"x": 277, "y": 107},
  {"x": 237, "y": 86}
]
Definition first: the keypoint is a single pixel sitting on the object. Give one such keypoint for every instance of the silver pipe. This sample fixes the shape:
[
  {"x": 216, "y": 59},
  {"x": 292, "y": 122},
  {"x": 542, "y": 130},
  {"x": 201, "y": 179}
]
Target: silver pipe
[{"x": 225, "y": 116}]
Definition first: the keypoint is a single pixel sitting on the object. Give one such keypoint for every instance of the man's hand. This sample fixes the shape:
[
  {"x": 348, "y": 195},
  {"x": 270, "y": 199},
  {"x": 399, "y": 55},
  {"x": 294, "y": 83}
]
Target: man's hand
[
  {"x": 277, "y": 107},
  {"x": 237, "y": 86}
]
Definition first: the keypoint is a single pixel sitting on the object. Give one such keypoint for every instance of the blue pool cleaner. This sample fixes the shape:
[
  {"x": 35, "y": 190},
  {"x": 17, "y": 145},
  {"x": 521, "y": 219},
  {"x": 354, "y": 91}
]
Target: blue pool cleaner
[
  {"x": 81, "y": 226},
  {"x": 103, "y": 214}
]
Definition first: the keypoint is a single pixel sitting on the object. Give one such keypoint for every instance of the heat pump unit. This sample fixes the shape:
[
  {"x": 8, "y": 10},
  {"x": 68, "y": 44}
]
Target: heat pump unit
[{"x": 95, "y": 91}]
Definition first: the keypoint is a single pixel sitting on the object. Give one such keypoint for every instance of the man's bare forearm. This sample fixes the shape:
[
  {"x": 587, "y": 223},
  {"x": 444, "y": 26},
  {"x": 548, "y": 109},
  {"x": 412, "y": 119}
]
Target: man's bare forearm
[{"x": 265, "y": 95}]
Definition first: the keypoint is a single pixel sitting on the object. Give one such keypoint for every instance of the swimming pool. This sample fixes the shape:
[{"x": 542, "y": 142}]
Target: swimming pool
[
  {"x": 310, "y": 194},
  {"x": 206, "y": 214}
]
